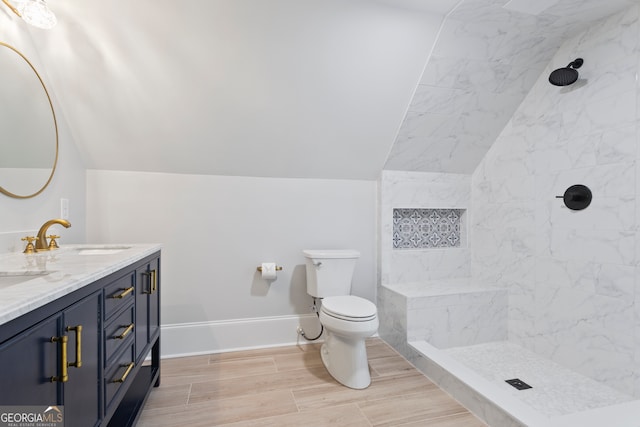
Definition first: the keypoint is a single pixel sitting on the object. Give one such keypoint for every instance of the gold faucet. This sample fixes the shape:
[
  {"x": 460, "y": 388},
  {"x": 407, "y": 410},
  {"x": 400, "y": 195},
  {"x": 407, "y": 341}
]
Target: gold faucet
[{"x": 41, "y": 239}]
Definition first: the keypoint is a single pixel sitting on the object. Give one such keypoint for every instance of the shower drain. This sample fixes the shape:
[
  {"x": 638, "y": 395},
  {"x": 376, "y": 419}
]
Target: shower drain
[{"x": 519, "y": 384}]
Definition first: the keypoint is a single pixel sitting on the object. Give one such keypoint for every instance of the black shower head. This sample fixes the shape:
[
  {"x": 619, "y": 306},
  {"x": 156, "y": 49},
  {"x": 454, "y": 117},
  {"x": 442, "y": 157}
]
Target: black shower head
[{"x": 566, "y": 76}]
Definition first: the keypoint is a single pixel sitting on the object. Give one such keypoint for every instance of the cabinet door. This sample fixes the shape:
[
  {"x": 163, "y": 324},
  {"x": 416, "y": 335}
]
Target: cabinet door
[
  {"x": 29, "y": 361},
  {"x": 82, "y": 390},
  {"x": 147, "y": 305}
]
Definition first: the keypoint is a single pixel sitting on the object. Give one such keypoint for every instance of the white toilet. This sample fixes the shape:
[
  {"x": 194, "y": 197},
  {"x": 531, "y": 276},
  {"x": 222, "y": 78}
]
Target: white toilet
[{"x": 347, "y": 319}]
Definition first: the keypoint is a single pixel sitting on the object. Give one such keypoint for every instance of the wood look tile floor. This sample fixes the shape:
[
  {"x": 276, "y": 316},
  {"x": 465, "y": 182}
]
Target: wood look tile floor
[{"x": 288, "y": 386}]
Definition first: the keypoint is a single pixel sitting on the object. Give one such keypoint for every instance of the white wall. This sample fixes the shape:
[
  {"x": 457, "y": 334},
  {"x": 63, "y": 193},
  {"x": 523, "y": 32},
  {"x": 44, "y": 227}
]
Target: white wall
[
  {"x": 216, "y": 230},
  {"x": 572, "y": 275},
  {"x": 19, "y": 217}
]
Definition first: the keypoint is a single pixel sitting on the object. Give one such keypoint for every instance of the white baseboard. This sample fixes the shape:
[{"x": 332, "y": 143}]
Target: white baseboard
[{"x": 189, "y": 339}]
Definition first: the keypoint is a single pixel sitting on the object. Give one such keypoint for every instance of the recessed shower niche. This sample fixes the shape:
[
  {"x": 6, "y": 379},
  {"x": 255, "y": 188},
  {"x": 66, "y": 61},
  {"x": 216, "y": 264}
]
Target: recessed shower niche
[{"x": 415, "y": 228}]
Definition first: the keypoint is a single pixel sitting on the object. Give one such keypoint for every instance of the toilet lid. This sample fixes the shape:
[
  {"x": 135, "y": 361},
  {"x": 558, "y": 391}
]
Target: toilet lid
[{"x": 349, "y": 307}]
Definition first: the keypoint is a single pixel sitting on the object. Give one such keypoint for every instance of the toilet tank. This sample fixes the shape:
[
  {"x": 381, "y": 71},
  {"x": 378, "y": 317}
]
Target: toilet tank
[{"x": 329, "y": 271}]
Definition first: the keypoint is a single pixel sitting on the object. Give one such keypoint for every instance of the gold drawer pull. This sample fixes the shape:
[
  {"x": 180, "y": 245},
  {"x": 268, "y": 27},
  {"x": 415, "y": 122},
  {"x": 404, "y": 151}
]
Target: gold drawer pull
[
  {"x": 78, "y": 331},
  {"x": 64, "y": 377},
  {"x": 124, "y": 293},
  {"x": 126, "y": 373},
  {"x": 125, "y": 332}
]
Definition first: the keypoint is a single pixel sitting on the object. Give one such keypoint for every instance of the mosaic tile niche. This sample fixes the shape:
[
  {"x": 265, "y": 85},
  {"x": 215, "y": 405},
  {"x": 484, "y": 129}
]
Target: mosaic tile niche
[{"x": 426, "y": 228}]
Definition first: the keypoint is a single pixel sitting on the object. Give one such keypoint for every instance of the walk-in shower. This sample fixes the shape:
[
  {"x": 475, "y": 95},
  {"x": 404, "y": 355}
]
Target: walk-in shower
[{"x": 543, "y": 288}]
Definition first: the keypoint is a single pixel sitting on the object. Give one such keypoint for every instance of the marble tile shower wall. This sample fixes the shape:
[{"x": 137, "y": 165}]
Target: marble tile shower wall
[
  {"x": 423, "y": 191},
  {"x": 485, "y": 61},
  {"x": 573, "y": 276}
]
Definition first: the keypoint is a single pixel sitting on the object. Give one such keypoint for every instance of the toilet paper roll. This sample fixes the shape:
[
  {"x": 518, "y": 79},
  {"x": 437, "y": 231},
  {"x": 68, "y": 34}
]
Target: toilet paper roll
[{"x": 269, "y": 271}]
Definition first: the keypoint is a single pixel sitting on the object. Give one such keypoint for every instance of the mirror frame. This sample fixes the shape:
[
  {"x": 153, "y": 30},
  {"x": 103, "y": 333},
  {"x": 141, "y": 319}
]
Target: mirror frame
[{"x": 55, "y": 125}]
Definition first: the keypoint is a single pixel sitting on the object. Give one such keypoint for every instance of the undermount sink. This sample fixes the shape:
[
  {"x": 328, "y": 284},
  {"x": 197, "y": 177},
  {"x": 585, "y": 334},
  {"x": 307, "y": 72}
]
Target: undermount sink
[
  {"x": 10, "y": 278},
  {"x": 102, "y": 250}
]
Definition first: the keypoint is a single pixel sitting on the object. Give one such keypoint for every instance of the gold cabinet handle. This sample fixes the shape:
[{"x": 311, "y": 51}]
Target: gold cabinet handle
[
  {"x": 125, "y": 332},
  {"x": 78, "y": 331},
  {"x": 153, "y": 281},
  {"x": 126, "y": 373},
  {"x": 64, "y": 377},
  {"x": 124, "y": 293}
]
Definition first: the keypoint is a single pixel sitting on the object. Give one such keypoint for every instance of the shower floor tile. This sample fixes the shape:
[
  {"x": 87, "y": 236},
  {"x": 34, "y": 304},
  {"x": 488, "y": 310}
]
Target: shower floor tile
[{"x": 555, "y": 390}]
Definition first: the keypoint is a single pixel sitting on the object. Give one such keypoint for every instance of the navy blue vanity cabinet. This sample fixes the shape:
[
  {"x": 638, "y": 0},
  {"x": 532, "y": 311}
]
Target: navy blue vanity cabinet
[
  {"x": 96, "y": 350},
  {"x": 55, "y": 362}
]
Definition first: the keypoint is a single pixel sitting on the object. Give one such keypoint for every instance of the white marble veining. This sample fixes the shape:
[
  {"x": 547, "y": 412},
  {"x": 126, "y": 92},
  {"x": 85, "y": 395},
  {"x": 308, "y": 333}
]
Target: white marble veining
[
  {"x": 484, "y": 63},
  {"x": 453, "y": 312},
  {"x": 58, "y": 273},
  {"x": 474, "y": 376},
  {"x": 493, "y": 404},
  {"x": 464, "y": 324},
  {"x": 571, "y": 275},
  {"x": 555, "y": 390}
]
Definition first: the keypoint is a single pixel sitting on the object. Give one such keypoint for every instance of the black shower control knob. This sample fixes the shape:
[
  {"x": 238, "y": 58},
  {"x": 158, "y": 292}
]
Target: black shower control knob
[{"x": 577, "y": 197}]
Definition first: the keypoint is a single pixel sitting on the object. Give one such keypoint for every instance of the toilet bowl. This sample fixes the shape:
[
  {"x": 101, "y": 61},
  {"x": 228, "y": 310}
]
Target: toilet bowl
[{"x": 348, "y": 321}]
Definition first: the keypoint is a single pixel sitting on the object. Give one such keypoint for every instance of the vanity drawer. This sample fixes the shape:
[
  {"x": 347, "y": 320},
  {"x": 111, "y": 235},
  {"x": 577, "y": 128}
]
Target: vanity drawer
[
  {"x": 119, "y": 373},
  {"x": 118, "y": 294},
  {"x": 118, "y": 332}
]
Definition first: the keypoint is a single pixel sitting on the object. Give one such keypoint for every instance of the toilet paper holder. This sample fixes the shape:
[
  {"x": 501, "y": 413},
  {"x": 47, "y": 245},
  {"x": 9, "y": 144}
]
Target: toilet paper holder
[{"x": 278, "y": 268}]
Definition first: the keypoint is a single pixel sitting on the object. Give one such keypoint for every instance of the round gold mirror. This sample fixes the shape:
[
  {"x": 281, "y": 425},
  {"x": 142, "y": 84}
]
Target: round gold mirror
[{"x": 28, "y": 127}]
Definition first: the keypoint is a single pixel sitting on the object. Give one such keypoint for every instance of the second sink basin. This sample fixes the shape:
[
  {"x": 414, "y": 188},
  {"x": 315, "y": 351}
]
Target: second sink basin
[{"x": 102, "y": 250}]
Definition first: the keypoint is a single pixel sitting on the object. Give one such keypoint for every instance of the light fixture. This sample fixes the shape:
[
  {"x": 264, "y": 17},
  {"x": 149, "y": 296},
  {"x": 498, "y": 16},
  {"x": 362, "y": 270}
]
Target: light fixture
[{"x": 34, "y": 12}]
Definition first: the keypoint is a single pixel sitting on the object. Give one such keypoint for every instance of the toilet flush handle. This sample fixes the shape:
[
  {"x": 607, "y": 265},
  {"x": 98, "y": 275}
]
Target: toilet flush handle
[{"x": 318, "y": 264}]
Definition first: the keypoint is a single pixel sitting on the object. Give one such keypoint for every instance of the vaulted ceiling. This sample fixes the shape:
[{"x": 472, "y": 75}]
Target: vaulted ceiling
[
  {"x": 487, "y": 56},
  {"x": 297, "y": 88}
]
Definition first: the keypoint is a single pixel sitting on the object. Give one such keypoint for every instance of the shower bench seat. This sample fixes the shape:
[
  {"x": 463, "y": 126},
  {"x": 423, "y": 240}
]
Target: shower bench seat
[{"x": 446, "y": 313}]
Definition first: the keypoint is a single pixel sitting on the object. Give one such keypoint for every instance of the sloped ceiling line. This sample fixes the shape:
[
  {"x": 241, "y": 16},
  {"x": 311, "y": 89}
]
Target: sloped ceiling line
[
  {"x": 337, "y": 89},
  {"x": 486, "y": 60}
]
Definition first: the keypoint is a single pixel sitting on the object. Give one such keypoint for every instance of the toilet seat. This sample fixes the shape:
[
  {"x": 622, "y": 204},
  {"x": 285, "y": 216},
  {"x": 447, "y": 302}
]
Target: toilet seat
[{"x": 350, "y": 308}]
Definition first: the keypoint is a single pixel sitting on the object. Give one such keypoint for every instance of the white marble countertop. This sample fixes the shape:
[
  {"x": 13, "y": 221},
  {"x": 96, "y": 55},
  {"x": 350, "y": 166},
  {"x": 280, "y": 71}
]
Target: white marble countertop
[{"x": 29, "y": 281}]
